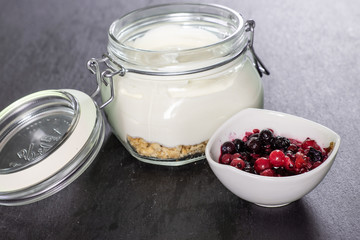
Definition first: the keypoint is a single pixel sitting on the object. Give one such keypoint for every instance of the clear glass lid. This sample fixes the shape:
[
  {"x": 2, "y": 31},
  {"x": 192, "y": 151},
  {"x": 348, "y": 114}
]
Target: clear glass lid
[{"x": 47, "y": 139}]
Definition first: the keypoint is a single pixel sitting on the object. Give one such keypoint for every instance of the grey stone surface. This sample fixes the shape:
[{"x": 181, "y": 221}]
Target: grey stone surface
[{"x": 312, "y": 51}]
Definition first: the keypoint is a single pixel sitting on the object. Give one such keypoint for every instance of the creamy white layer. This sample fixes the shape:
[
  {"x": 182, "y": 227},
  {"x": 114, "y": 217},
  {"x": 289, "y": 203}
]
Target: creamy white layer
[{"x": 181, "y": 110}]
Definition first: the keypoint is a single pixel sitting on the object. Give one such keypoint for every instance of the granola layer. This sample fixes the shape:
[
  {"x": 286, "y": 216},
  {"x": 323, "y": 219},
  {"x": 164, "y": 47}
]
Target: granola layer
[{"x": 156, "y": 150}]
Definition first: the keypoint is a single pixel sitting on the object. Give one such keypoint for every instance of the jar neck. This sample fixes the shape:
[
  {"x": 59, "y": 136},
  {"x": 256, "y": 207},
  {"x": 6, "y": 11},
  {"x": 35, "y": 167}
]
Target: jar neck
[{"x": 226, "y": 25}]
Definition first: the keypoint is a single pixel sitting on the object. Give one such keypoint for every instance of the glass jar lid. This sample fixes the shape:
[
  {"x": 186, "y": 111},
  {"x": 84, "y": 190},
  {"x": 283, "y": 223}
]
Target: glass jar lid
[{"x": 47, "y": 139}]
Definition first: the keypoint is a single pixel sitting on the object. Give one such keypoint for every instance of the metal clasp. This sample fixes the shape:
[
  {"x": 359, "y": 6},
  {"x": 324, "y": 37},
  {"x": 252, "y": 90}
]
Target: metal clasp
[
  {"x": 105, "y": 77},
  {"x": 260, "y": 67}
]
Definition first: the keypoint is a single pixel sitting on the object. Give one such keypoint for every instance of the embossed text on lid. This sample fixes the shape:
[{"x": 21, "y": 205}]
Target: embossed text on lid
[{"x": 28, "y": 135}]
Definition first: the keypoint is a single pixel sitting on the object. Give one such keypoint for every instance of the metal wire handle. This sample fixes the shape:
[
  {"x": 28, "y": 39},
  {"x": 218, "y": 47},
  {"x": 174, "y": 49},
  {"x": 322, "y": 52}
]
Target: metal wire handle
[
  {"x": 106, "y": 76},
  {"x": 260, "y": 67}
]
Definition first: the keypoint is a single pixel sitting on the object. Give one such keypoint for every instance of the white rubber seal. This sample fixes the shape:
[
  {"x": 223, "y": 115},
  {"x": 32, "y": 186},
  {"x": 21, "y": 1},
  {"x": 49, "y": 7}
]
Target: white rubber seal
[{"x": 57, "y": 160}]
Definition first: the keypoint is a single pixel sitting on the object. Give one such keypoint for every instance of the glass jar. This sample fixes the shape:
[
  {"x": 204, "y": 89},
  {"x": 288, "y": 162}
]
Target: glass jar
[{"x": 174, "y": 74}]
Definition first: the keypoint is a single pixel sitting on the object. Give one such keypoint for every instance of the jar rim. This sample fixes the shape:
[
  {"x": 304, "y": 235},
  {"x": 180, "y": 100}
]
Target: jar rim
[
  {"x": 227, "y": 24},
  {"x": 238, "y": 16}
]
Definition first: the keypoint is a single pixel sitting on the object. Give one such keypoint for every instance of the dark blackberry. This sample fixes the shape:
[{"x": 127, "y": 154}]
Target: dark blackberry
[
  {"x": 254, "y": 145},
  {"x": 266, "y": 136},
  {"x": 239, "y": 145},
  {"x": 248, "y": 167},
  {"x": 266, "y": 148},
  {"x": 315, "y": 155},
  {"x": 245, "y": 156},
  {"x": 281, "y": 143},
  {"x": 228, "y": 147},
  {"x": 253, "y": 136}
]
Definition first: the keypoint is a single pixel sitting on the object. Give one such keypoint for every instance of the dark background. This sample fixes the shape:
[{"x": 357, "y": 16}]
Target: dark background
[{"x": 312, "y": 51}]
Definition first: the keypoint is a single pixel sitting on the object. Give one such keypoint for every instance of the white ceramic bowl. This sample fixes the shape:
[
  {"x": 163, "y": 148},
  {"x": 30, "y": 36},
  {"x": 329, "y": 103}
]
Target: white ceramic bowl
[{"x": 263, "y": 190}]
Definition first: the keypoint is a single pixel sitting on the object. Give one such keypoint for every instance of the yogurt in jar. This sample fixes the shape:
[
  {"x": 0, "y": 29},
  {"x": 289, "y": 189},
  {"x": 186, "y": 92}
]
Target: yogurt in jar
[
  {"x": 170, "y": 37},
  {"x": 175, "y": 111},
  {"x": 183, "y": 72}
]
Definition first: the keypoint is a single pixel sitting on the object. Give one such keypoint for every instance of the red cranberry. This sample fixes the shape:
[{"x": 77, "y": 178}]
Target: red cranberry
[
  {"x": 268, "y": 172},
  {"x": 226, "y": 158},
  {"x": 289, "y": 165},
  {"x": 256, "y": 130},
  {"x": 238, "y": 163},
  {"x": 300, "y": 161},
  {"x": 277, "y": 158},
  {"x": 310, "y": 143},
  {"x": 262, "y": 164},
  {"x": 248, "y": 134}
]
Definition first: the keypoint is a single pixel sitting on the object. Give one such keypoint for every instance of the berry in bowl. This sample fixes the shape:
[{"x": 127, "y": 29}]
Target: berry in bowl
[
  {"x": 271, "y": 158},
  {"x": 264, "y": 153}
]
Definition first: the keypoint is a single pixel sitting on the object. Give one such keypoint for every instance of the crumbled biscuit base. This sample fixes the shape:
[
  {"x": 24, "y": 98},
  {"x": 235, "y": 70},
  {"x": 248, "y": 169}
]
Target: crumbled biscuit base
[{"x": 156, "y": 150}]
